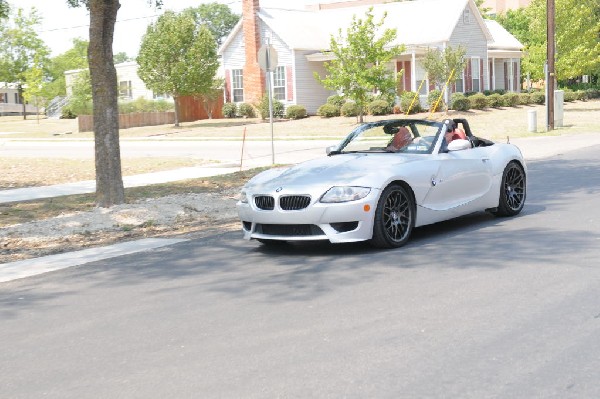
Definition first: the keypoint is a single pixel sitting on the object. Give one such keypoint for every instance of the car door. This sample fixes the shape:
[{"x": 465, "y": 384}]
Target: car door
[{"x": 462, "y": 177}]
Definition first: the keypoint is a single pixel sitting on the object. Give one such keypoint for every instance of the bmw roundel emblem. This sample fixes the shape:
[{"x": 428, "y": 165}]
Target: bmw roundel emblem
[{"x": 278, "y": 189}]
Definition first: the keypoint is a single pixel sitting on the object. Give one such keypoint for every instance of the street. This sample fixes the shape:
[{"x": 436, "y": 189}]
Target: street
[{"x": 477, "y": 307}]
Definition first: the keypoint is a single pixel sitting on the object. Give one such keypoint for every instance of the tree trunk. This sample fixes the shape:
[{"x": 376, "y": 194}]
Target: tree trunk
[
  {"x": 109, "y": 180},
  {"x": 176, "y": 102}
]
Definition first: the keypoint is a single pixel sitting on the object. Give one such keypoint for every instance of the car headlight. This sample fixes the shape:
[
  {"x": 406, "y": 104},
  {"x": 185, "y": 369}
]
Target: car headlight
[
  {"x": 345, "y": 194},
  {"x": 243, "y": 197}
]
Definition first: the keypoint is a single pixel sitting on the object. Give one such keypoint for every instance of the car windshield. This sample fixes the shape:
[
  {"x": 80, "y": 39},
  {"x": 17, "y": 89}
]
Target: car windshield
[{"x": 401, "y": 135}]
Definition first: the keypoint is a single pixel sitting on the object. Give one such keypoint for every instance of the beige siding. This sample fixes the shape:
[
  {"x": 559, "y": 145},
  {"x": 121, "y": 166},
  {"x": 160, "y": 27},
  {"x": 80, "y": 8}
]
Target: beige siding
[{"x": 309, "y": 92}]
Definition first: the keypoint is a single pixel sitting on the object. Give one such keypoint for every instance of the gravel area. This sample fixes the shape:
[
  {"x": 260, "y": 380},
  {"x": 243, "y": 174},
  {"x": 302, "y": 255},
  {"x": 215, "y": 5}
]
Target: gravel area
[{"x": 190, "y": 215}]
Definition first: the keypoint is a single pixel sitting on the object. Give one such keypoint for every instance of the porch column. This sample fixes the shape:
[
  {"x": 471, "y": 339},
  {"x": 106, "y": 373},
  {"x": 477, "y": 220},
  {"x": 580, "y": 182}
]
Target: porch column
[{"x": 413, "y": 72}]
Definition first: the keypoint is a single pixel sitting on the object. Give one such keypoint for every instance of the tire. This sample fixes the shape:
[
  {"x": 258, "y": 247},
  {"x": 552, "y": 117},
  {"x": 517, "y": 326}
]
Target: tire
[
  {"x": 394, "y": 217},
  {"x": 513, "y": 190}
]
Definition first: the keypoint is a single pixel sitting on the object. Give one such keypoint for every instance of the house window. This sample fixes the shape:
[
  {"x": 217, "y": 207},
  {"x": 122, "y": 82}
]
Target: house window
[
  {"x": 460, "y": 88},
  {"x": 125, "y": 89},
  {"x": 3, "y": 98},
  {"x": 467, "y": 16},
  {"x": 476, "y": 78},
  {"x": 159, "y": 96},
  {"x": 237, "y": 85},
  {"x": 17, "y": 99},
  {"x": 279, "y": 83}
]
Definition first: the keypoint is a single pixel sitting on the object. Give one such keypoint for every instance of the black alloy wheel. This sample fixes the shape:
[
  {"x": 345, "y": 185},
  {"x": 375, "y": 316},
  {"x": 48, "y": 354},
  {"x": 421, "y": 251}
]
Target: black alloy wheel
[
  {"x": 394, "y": 217},
  {"x": 513, "y": 190}
]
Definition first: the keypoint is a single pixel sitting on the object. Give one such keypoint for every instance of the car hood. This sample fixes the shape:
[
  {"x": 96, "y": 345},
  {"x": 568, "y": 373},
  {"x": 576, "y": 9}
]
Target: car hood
[{"x": 361, "y": 169}]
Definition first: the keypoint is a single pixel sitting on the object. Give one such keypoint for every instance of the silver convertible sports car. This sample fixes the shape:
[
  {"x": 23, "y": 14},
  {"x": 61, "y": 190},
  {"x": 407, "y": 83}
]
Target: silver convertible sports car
[{"x": 384, "y": 179}]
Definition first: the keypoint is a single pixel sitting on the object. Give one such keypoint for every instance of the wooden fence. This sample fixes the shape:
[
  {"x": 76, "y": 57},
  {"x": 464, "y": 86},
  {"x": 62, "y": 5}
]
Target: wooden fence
[{"x": 190, "y": 109}]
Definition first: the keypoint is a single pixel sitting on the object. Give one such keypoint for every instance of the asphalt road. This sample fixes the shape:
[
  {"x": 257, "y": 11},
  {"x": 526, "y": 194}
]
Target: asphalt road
[{"x": 477, "y": 307}]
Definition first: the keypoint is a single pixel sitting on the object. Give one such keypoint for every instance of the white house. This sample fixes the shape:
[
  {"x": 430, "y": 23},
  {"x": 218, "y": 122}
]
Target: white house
[
  {"x": 130, "y": 84},
  {"x": 10, "y": 101},
  {"x": 301, "y": 39}
]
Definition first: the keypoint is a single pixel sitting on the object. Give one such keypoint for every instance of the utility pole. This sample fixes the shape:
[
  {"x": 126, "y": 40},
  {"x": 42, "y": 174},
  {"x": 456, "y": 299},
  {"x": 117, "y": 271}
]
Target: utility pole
[{"x": 550, "y": 55}]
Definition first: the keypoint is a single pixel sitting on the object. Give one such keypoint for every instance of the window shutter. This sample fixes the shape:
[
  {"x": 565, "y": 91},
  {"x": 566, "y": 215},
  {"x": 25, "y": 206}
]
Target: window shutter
[
  {"x": 289, "y": 82},
  {"x": 228, "y": 92}
]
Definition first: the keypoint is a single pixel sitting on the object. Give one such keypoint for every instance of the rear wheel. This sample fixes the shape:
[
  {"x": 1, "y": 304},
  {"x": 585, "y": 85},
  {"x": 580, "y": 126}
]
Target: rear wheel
[
  {"x": 394, "y": 217},
  {"x": 512, "y": 191}
]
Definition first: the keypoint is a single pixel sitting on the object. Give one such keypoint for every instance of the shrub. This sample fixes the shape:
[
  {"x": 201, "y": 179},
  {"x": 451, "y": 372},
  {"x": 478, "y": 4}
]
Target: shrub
[
  {"x": 379, "y": 107},
  {"x": 432, "y": 99},
  {"x": 581, "y": 96},
  {"x": 524, "y": 98},
  {"x": 350, "y": 109},
  {"x": 396, "y": 109},
  {"x": 295, "y": 112},
  {"x": 67, "y": 113},
  {"x": 510, "y": 99},
  {"x": 328, "y": 111},
  {"x": 570, "y": 96},
  {"x": 406, "y": 99},
  {"x": 229, "y": 110},
  {"x": 537, "y": 97},
  {"x": 459, "y": 102},
  {"x": 247, "y": 111},
  {"x": 263, "y": 108},
  {"x": 592, "y": 93},
  {"x": 495, "y": 100},
  {"x": 336, "y": 100},
  {"x": 478, "y": 101}
]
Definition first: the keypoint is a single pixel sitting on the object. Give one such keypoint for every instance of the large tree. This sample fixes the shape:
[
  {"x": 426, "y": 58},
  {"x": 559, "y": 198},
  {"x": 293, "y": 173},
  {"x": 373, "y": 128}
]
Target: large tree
[
  {"x": 361, "y": 63},
  {"x": 109, "y": 181},
  {"x": 21, "y": 48},
  {"x": 577, "y": 32},
  {"x": 218, "y": 18},
  {"x": 177, "y": 57}
]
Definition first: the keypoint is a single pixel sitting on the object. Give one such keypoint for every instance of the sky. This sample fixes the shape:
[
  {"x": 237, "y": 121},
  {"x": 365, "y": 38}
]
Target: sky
[{"x": 61, "y": 24}]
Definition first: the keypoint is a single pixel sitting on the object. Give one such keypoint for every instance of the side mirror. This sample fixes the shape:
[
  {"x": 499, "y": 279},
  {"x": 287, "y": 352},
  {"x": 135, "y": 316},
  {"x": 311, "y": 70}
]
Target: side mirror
[
  {"x": 459, "y": 145},
  {"x": 330, "y": 149}
]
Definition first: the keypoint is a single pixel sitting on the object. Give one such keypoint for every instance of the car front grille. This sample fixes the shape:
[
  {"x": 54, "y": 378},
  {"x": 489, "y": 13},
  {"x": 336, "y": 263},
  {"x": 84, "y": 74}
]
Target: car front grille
[
  {"x": 289, "y": 230},
  {"x": 264, "y": 202},
  {"x": 294, "y": 202},
  {"x": 286, "y": 202}
]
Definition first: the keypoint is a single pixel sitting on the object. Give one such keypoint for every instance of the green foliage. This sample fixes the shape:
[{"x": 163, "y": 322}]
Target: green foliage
[
  {"x": 328, "y": 110},
  {"x": 336, "y": 100},
  {"x": 592, "y": 93},
  {"x": 351, "y": 109},
  {"x": 218, "y": 18},
  {"x": 361, "y": 59},
  {"x": 379, "y": 107},
  {"x": 263, "y": 108},
  {"x": 121, "y": 57},
  {"x": 495, "y": 100},
  {"x": 444, "y": 66},
  {"x": 510, "y": 100},
  {"x": 295, "y": 112},
  {"x": 74, "y": 58},
  {"x": 67, "y": 113},
  {"x": 577, "y": 44},
  {"x": 176, "y": 57},
  {"x": 570, "y": 96},
  {"x": 524, "y": 99},
  {"x": 144, "y": 105},
  {"x": 80, "y": 102},
  {"x": 459, "y": 102},
  {"x": 478, "y": 101},
  {"x": 410, "y": 103},
  {"x": 538, "y": 97},
  {"x": 4, "y": 9},
  {"x": 229, "y": 110},
  {"x": 247, "y": 111},
  {"x": 432, "y": 100},
  {"x": 21, "y": 47}
]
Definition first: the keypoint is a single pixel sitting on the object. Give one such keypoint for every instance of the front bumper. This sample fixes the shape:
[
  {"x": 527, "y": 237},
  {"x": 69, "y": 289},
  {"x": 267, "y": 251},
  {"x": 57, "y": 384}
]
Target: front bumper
[{"x": 337, "y": 222}]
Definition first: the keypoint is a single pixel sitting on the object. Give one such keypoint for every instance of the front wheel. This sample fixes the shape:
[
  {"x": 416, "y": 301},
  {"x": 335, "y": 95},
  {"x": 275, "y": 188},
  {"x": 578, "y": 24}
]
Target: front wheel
[
  {"x": 394, "y": 217},
  {"x": 513, "y": 190}
]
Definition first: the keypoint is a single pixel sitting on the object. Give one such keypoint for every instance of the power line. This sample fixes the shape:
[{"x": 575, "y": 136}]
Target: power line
[{"x": 88, "y": 25}]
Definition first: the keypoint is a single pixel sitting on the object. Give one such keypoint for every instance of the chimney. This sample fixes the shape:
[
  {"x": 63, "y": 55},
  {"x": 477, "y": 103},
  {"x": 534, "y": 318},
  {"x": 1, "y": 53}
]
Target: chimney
[{"x": 254, "y": 77}]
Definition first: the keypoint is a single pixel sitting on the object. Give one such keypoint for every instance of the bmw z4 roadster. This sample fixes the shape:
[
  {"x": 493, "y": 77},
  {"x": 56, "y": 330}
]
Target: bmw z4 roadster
[{"x": 383, "y": 180}]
